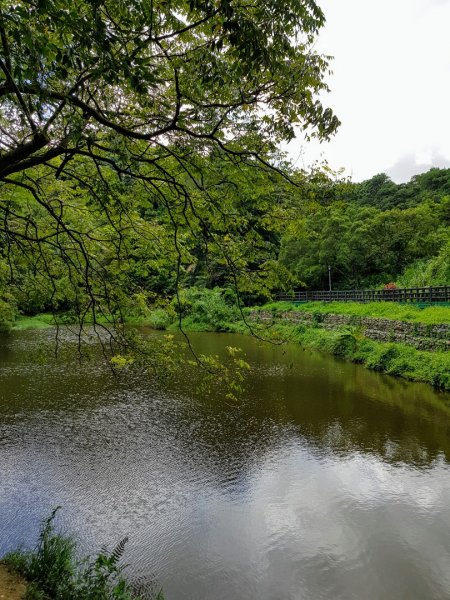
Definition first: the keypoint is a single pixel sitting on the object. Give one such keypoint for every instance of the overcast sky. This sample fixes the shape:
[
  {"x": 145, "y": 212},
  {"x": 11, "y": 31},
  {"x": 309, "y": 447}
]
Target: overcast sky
[{"x": 390, "y": 87}]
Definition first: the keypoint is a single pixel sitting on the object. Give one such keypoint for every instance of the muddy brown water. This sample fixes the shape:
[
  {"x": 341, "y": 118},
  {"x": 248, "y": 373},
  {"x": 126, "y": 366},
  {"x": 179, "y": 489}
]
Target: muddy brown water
[{"x": 324, "y": 480}]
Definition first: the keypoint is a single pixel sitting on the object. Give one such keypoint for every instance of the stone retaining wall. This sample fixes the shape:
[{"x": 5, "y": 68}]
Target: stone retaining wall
[{"x": 423, "y": 337}]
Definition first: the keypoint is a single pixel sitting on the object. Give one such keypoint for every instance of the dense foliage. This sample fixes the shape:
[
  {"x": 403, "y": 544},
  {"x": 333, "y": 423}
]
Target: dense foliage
[
  {"x": 382, "y": 193},
  {"x": 258, "y": 234},
  {"x": 139, "y": 158},
  {"x": 368, "y": 247},
  {"x": 132, "y": 134}
]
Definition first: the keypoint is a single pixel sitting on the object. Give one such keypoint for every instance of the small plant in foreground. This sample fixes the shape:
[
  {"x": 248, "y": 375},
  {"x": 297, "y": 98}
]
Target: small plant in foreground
[{"x": 54, "y": 573}]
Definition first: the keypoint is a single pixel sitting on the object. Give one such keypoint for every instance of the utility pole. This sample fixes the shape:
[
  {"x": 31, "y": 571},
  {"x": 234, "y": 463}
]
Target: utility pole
[{"x": 329, "y": 277}]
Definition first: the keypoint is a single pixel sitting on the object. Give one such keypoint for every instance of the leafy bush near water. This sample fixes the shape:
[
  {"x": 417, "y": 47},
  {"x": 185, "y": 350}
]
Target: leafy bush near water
[
  {"x": 7, "y": 315},
  {"x": 212, "y": 310},
  {"x": 54, "y": 573},
  {"x": 160, "y": 319},
  {"x": 8, "y": 308}
]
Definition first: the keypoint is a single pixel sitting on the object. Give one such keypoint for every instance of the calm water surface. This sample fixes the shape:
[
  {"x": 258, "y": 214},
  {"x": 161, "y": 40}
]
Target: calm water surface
[{"x": 323, "y": 481}]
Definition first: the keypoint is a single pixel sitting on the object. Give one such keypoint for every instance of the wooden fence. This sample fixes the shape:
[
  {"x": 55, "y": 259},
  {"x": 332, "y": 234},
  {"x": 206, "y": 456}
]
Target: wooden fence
[{"x": 424, "y": 295}]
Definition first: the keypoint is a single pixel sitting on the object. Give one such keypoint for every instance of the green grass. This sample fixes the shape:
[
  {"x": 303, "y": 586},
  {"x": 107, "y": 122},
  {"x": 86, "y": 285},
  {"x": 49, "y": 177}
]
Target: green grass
[
  {"x": 430, "y": 315},
  {"x": 194, "y": 324},
  {"x": 41, "y": 321}
]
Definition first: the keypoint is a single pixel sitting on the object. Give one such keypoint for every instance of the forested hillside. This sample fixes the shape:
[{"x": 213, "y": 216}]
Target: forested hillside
[
  {"x": 373, "y": 233},
  {"x": 287, "y": 233}
]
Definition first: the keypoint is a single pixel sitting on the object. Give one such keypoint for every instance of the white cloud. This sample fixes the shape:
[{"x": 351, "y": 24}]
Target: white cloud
[
  {"x": 391, "y": 84},
  {"x": 410, "y": 164}
]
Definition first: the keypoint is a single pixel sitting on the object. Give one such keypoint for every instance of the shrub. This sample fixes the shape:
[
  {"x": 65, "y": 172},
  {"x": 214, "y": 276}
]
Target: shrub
[
  {"x": 159, "y": 319},
  {"x": 380, "y": 359},
  {"x": 54, "y": 573},
  {"x": 346, "y": 341},
  {"x": 214, "y": 310},
  {"x": 434, "y": 271},
  {"x": 7, "y": 314}
]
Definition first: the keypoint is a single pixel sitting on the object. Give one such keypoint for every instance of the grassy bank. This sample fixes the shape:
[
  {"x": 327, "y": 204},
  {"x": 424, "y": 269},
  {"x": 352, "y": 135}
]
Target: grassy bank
[
  {"x": 41, "y": 321},
  {"x": 212, "y": 310},
  {"x": 392, "y": 358},
  {"x": 429, "y": 315},
  {"x": 54, "y": 572},
  {"x": 401, "y": 360},
  {"x": 216, "y": 311}
]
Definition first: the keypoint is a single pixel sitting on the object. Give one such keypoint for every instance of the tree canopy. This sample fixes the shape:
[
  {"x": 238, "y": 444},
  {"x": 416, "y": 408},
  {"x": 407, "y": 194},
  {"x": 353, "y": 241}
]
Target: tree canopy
[
  {"x": 123, "y": 78},
  {"x": 125, "y": 126}
]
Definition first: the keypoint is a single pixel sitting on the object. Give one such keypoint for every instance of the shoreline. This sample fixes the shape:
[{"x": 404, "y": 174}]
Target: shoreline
[{"x": 410, "y": 349}]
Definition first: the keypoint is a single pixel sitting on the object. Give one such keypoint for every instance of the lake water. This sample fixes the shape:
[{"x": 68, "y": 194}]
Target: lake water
[{"x": 324, "y": 480}]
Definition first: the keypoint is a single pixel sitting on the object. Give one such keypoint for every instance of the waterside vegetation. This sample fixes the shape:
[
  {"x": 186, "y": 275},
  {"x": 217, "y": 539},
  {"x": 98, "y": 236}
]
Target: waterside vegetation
[
  {"x": 212, "y": 313},
  {"x": 216, "y": 310},
  {"x": 53, "y": 570}
]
